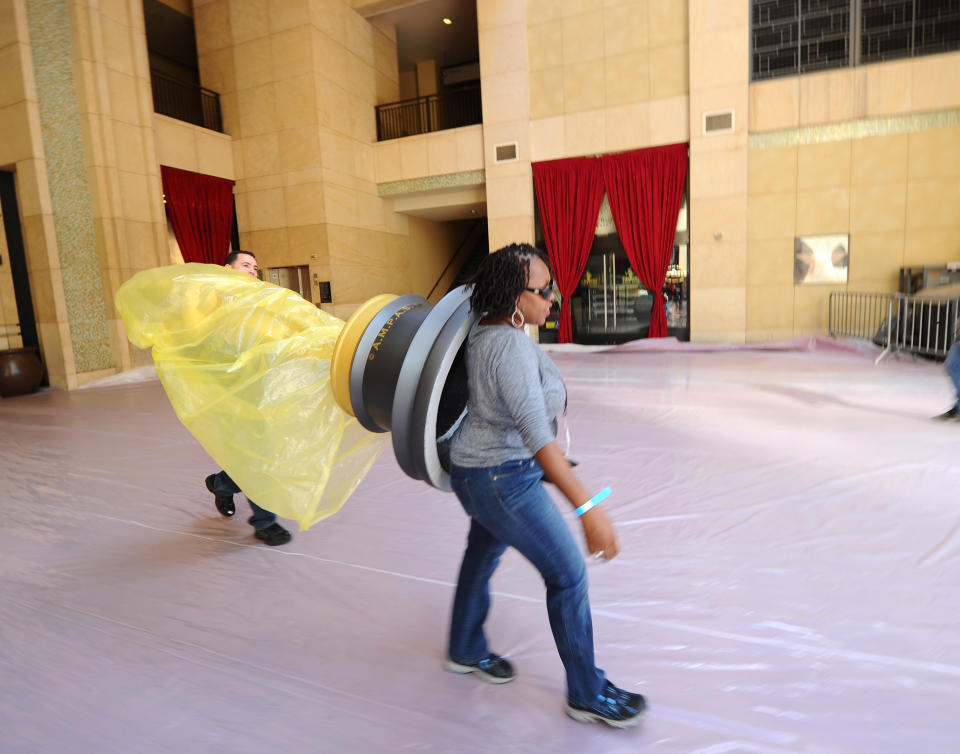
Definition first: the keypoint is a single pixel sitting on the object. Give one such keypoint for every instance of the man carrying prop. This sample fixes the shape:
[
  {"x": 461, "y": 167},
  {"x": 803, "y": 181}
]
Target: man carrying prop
[
  {"x": 246, "y": 367},
  {"x": 223, "y": 488}
]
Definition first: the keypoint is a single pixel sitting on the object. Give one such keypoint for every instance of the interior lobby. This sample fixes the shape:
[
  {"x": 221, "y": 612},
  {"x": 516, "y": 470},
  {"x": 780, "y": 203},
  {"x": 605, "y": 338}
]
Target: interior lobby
[
  {"x": 869, "y": 151},
  {"x": 790, "y": 567}
]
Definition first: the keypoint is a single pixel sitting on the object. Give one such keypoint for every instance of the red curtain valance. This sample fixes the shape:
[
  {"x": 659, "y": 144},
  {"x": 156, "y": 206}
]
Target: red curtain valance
[
  {"x": 645, "y": 189},
  {"x": 201, "y": 212}
]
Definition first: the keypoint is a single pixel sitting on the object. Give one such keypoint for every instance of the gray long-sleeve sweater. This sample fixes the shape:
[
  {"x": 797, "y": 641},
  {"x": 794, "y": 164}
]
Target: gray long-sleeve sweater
[{"x": 515, "y": 394}]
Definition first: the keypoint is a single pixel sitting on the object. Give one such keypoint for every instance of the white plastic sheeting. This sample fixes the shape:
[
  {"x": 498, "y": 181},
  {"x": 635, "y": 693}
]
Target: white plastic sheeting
[{"x": 790, "y": 576}]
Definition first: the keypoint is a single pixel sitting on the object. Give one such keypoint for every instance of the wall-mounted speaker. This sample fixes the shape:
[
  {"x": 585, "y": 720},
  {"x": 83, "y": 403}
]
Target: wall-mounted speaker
[{"x": 398, "y": 366}]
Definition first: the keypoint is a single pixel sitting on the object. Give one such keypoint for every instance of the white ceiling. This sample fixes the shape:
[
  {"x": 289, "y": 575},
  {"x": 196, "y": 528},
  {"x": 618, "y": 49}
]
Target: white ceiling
[{"x": 422, "y": 35}]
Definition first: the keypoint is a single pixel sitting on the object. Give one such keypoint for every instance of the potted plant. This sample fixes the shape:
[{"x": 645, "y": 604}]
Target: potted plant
[{"x": 20, "y": 371}]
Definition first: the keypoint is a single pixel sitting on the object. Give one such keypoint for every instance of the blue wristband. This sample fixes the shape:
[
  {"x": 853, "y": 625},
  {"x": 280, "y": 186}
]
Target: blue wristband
[{"x": 600, "y": 496}]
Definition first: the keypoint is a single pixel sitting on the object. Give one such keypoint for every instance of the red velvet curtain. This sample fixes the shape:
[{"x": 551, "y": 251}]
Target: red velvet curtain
[
  {"x": 645, "y": 190},
  {"x": 201, "y": 212},
  {"x": 569, "y": 193}
]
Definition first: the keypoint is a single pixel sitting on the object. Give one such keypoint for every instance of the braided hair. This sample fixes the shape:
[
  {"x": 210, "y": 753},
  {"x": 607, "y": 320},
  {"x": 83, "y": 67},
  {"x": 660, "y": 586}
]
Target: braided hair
[{"x": 501, "y": 278}]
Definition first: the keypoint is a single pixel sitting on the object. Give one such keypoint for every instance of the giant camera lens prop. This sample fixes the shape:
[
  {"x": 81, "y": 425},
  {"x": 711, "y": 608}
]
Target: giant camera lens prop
[{"x": 398, "y": 366}]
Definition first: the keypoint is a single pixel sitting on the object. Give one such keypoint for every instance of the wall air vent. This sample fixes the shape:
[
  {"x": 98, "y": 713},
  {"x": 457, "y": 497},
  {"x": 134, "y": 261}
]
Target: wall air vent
[
  {"x": 506, "y": 152},
  {"x": 458, "y": 74},
  {"x": 720, "y": 122}
]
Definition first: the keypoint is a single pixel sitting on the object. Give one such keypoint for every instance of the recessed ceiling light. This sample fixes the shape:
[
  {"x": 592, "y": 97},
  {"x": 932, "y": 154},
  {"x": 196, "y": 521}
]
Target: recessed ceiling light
[{"x": 447, "y": 21}]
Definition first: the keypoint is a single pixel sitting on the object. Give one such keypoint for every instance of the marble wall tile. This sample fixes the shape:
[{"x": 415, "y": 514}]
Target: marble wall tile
[
  {"x": 546, "y": 93},
  {"x": 932, "y": 204},
  {"x": 627, "y": 79},
  {"x": 772, "y": 170},
  {"x": 823, "y": 211},
  {"x": 625, "y": 29},
  {"x": 770, "y": 307},
  {"x": 545, "y": 45},
  {"x": 547, "y": 138},
  {"x": 934, "y": 153},
  {"x": 669, "y": 71},
  {"x": 878, "y": 207},
  {"x": 627, "y": 127},
  {"x": 879, "y": 159}
]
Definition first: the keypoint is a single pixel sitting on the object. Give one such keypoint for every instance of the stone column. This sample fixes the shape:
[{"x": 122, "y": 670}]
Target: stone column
[{"x": 719, "y": 81}]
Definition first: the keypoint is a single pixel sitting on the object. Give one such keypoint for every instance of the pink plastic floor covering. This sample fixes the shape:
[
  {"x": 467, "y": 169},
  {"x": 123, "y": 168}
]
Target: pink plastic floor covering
[{"x": 789, "y": 581}]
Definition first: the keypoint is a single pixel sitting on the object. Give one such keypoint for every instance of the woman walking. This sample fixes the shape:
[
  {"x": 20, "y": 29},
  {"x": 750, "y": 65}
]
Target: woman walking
[{"x": 500, "y": 455}]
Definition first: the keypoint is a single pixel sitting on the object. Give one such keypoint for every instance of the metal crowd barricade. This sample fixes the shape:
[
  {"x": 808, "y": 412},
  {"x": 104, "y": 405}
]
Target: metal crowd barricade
[
  {"x": 928, "y": 326},
  {"x": 920, "y": 325}
]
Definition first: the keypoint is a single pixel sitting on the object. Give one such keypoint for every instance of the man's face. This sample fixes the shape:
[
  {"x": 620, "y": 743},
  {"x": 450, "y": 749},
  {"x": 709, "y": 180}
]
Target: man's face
[{"x": 244, "y": 263}]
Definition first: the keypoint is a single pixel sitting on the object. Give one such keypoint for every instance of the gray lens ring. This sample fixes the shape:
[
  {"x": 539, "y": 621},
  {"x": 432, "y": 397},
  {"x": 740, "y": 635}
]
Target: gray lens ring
[
  {"x": 360, "y": 357},
  {"x": 436, "y": 374},
  {"x": 406, "y": 442}
]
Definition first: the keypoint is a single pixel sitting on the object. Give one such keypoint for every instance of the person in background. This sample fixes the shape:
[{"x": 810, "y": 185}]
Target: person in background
[
  {"x": 500, "y": 455},
  {"x": 952, "y": 365},
  {"x": 223, "y": 488}
]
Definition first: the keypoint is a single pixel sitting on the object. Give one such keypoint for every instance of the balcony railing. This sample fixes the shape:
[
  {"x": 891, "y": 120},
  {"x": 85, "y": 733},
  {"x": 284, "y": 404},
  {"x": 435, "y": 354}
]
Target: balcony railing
[
  {"x": 436, "y": 112},
  {"x": 186, "y": 102}
]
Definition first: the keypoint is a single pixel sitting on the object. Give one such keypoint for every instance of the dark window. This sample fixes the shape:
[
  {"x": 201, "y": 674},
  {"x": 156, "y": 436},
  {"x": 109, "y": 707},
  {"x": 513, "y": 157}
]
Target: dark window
[
  {"x": 824, "y": 34},
  {"x": 886, "y": 30},
  {"x": 936, "y": 26},
  {"x": 774, "y": 30},
  {"x": 800, "y": 36}
]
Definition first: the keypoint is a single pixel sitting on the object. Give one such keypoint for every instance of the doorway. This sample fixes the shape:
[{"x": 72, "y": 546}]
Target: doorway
[
  {"x": 21, "y": 307},
  {"x": 611, "y": 305},
  {"x": 295, "y": 278}
]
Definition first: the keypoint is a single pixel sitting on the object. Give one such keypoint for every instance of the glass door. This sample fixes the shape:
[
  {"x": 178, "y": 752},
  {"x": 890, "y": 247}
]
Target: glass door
[{"x": 610, "y": 305}]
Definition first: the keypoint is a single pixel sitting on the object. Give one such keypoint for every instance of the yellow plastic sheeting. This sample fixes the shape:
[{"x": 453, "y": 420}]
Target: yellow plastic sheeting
[{"x": 246, "y": 366}]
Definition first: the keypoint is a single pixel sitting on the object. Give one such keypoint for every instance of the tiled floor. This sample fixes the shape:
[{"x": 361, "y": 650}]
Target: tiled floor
[{"x": 790, "y": 577}]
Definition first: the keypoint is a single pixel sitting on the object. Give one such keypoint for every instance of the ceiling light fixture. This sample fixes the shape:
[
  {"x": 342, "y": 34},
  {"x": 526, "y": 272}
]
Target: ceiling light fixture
[{"x": 447, "y": 21}]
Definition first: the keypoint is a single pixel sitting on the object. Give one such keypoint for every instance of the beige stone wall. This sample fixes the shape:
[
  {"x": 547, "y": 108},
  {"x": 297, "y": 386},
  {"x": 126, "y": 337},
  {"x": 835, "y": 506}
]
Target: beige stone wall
[
  {"x": 606, "y": 77},
  {"x": 564, "y": 78},
  {"x": 116, "y": 191},
  {"x": 505, "y": 91},
  {"x": 873, "y": 152},
  {"x": 189, "y": 147},
  {"x": 117, "y": 106},
  {"x": 298, "y": 90},
  {"x": 456, "y": 150},
  {"x": 15, "y": 145},
  {"x": 21, "y": 151},
  {"x": 719, "y": 80}
]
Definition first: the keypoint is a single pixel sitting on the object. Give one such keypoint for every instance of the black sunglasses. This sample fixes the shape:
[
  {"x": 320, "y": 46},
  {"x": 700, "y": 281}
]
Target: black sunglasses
[{"x": 546, "y": 293}]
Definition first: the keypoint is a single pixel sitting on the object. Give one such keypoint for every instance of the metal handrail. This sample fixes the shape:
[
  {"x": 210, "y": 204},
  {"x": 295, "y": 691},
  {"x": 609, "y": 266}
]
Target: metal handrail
[
  {"x": 184, "y": 101},
  {"x": 466, "y": 247},
  {"x": 435, "y": 112}
]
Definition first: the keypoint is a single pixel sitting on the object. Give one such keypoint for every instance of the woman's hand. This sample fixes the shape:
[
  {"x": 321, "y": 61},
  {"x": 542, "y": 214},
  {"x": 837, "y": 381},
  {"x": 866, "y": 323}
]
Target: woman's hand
[{"x": 602, "y": 540}]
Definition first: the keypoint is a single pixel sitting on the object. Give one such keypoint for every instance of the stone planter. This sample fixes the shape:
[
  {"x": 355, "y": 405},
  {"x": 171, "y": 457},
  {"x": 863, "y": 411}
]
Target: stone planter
[{"x": 20, "y": 371}]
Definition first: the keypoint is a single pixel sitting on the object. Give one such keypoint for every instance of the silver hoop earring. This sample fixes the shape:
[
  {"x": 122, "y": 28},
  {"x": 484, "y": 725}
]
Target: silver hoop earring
[{"x": 513, "y": 318}]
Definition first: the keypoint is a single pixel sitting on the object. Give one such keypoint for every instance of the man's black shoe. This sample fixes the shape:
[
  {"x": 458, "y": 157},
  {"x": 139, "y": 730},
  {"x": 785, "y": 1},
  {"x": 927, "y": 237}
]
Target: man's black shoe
[
  {"x": 614, "y": 706},
  {"x": 224, "y": 503},
  {"x": 492, "y": 668},
  {"x": 272, "y": 535}
]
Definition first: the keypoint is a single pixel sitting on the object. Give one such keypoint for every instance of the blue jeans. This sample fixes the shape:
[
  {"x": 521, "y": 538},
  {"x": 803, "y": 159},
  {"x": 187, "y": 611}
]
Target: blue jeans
[
  {"x": 952, "y": 365},
  {"x": 508, "y": 506},
  {"x": 224, "y": 485}
]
